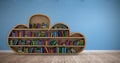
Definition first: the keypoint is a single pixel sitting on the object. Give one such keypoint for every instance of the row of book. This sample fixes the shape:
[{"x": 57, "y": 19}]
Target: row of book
[
  {"x": 23, "y": 33},
  {"x": 45, "y": 50},
  {"x": 60, "y": 33},
  {"x": 29, "y": 34},
  {"x": 38, "y": 25},
  {"x": 18, "y": 33},
  {"x": 45, "y": 42}
]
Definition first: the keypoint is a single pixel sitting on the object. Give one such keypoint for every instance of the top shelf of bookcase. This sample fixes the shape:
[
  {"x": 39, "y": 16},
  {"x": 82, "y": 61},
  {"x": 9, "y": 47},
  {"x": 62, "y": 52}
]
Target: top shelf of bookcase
[{"x": 42, "y": 29}]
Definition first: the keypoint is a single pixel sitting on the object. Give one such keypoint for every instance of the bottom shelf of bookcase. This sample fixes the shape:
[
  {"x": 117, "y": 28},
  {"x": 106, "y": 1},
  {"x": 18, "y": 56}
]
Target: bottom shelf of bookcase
[
  {"x": 49, "y": 53},
  {"x": 47, "y": 50}
]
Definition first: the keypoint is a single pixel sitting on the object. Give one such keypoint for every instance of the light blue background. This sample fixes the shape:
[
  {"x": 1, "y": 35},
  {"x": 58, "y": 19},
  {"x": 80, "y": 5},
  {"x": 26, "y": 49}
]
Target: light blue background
[{"x": 98, "y": 20}]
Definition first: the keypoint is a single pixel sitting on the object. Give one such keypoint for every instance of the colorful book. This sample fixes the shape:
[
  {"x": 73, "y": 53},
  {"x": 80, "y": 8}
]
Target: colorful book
[
  {"x": 15, "y": 42},
  {"x": 67, "y": 33},
  {"x": 30, "y": 50},
  {"x": 46, "y": 49},
  {"x": 38, "y": 25},
  {"x": 11, "y": 42},
  {"x": 30, "y": 25},
  {"x": 17, "y": 33},
  {"x": 19, "y": 49}
]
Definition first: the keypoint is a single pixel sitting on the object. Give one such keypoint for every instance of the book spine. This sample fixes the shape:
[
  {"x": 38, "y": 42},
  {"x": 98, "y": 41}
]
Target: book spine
[
  {"x": 46, "y": 49},
  {"x": 57, "y": 49},
  {"x": 16, "y": 33},
  {"x": 67, "y": 33},
  {"x": 71, "y": 42},
  {"x": 30, "y": 25},
  {"x": 32, "y": 34}
]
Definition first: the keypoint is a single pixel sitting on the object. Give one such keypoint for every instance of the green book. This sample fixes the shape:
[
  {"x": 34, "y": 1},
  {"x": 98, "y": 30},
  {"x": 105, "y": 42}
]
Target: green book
[{"x": 81, "y": 42}]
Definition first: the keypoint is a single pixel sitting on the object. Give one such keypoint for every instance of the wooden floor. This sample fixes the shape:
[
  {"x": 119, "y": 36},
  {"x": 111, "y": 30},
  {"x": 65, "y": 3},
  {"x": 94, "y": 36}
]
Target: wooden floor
[{"x": 81, "y": 58}]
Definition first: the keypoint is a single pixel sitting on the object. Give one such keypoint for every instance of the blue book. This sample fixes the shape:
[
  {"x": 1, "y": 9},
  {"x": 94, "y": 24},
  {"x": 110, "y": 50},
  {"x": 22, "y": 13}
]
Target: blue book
[
  {"x": 65, "y": 50},
  {"x": 62, "y": 50},
  {"x": 59, "y": 34},
  {"x": 30, "y": 50},
  {"x": 41, "y": 50},
  {"x": 74, "y": 43},
  {"x": 15, "y": 42},
  {"x": 30, "y": 26},
  {"x": 46, "y": 34}
]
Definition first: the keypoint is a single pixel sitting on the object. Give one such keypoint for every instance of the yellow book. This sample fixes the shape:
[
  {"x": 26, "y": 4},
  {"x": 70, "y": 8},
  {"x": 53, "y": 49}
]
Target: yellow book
[
  {"x": 20, "y": 34},
  {"x": 46, "y": 42},
  {"x": 32, "y": 34}
]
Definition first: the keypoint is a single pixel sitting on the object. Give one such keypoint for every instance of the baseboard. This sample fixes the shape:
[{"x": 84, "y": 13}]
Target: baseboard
[{"x": 85, "y": 51}]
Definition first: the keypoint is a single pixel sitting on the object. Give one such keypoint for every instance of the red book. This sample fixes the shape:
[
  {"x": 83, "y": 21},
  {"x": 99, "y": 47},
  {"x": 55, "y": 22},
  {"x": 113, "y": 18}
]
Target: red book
[
  {"x": 67, "y": 33},
  {"x": 17, "y": 34}
]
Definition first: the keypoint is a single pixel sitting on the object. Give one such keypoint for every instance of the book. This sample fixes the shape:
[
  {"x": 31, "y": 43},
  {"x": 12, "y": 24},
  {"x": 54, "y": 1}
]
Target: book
[
  {"x": 27, "y": 42},
  {"x": 33, "y": 35},
  {"x": 30, "y": 25},
  {"x": 20, "y": 34},
  {"x": 17, "y": 33},
  {"x": 59, "y": 33},
  {"x": 30, "y": 50},
  {"x": 19, "y": 49},
  {"x": 75, "y": 42},
  {"x": 46, "y": 49},
  {"x": 64, "y": 33},
  {"x": 46, "y": 42},
  {"x": 38, "y": 25},
  {"x": 40, "y": 42},
  {"x": 23, "y": 33},
  {"x": 57, "y": 49},
  {"x": 81, "y": 42},
  {"x": 67, "y": 42},
  {"x": 15, "y": 42},
  {"x": 13, "y": 34},
  {"x": 46, "y": 34},
  {"x": 34, "y": 26},
  {"x": 11, "y": 42},
  {"x": 19, "y": 42},
  {"x": 67, "y": 33},
  {"x": 41, "y": 50},
  {"x": 71, "y": 42}
]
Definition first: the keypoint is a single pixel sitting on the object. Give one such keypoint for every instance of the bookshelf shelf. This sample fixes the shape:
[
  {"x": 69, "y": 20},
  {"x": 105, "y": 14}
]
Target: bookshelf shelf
[
  {"x": 44, "y": 46},
  {"x": 45, "y": 37},
  {"x": 33, "y": 29},
  {"x": 39, "y": 38}
]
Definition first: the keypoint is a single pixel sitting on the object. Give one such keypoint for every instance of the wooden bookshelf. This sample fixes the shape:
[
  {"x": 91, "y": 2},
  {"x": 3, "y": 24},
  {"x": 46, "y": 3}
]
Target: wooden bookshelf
[{"x": 39, "y": 38}]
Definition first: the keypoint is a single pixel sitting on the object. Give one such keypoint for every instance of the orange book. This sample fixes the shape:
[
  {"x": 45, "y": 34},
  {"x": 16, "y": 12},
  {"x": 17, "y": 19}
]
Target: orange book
[
  {"x": 32, "y": 34},
  {"x": 46, "y": 42},
  {"x": 49, "y": 34},
  {"x": 71, "y": 42},
  {"x": 20, "y": 34}
]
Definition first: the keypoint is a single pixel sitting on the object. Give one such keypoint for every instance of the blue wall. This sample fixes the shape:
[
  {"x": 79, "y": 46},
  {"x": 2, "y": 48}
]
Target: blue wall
[{"x": 98, "y": 20}]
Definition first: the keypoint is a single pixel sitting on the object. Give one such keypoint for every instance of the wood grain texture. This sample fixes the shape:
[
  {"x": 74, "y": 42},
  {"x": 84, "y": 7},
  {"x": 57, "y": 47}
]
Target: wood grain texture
[{"x": 113, "y": 57}]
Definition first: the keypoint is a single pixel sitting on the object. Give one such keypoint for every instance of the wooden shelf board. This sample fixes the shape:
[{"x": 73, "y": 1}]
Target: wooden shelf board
[
  {"x": 30, "y": 29},
  {"x": 59, "y": 29},
  {"x": 45, "y": 46},
  {"x": 46, "y": 37},
  {"x": 40, "y": 29},
  {"x": 47, "y": 53}
]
